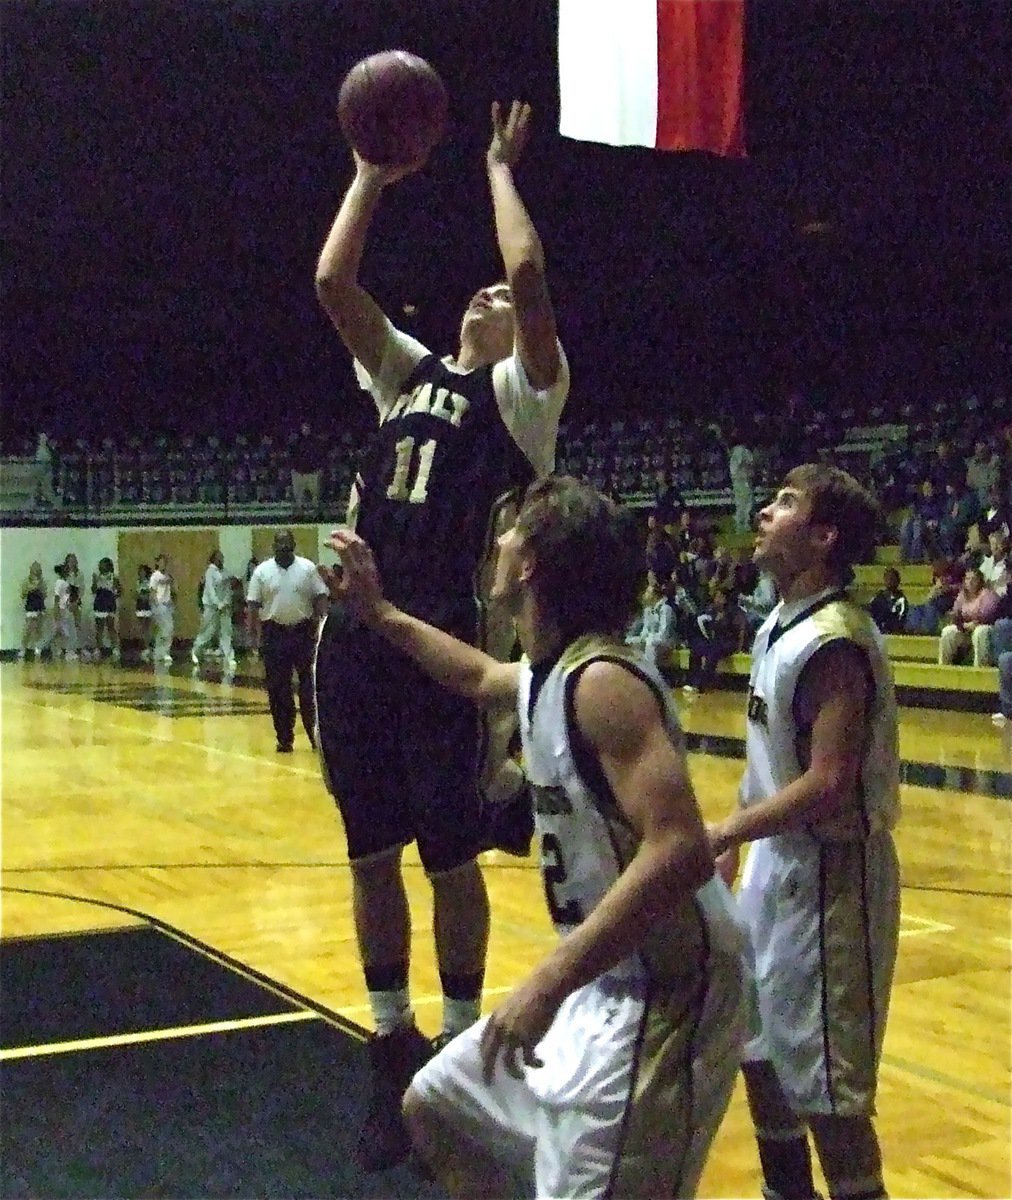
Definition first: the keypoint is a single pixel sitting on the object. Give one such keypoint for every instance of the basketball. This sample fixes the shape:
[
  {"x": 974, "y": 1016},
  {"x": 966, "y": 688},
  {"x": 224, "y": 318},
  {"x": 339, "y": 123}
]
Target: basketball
[{"x": 392, "y": 107}]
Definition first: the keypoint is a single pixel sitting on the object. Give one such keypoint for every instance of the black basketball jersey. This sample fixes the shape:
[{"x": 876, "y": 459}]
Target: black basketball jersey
[{"x": 441, "y": 464}]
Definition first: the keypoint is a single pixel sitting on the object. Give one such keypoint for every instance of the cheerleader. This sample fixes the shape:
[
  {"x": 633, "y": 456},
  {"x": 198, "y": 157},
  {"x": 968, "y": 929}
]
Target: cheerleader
[
  {"x": 33, "y": 593},
  {"x": 105, "y": 591}
]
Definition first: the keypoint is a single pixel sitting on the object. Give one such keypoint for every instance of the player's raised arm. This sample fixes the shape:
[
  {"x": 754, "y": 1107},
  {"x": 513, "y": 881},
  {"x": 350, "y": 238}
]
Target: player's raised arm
[
  {"x": 356, "y": 315},
  {"x": 522, "y": 253},
  {"x": 454, "y": 664}
]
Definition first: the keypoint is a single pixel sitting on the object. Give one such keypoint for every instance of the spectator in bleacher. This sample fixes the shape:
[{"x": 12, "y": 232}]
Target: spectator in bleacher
[
  {"x": 654, "y": 632},
  {"x": 45, "y": 471},
  {"x": 996, "y": 514},
  {"x": 961, "y": 510},
  {"x": 717, "y": 634},
  {"x": 942, "y": 465},
  {"x": 946, "y": 580},
  {"x": 661, "y": 555},
  {"x": 33, "y": 594},
  {"x": 919, "y": 528},
  {"x": 668, "y": 502},
  {"x": 306, "y": 457},
  {"x": 995, "y": 565},
  {"x": 983, "y": 469},
  {"x": 975, "y": 609},
  {"x": 888, "y": 607},
  {"x": 759, "y": 602}
]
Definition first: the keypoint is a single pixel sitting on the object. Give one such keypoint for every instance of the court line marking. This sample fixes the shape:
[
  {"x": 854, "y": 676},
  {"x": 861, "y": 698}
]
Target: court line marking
[
  {"x": 155, "y": 1035},
  {"x": 258, "y": 760},
  {"x": 927, "y": 927}
]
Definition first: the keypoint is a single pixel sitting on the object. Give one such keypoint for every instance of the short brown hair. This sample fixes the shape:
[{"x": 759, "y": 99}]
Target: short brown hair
[
  {"x": 587, "y": 556},
  {"x": 837, "y": 499}
]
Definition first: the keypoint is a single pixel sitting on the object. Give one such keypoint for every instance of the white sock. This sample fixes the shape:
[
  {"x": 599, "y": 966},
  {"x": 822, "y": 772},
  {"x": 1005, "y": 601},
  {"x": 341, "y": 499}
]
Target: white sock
[
  {"x": 390, "y": 1009},
  {"x": 459, "y": 1015}
]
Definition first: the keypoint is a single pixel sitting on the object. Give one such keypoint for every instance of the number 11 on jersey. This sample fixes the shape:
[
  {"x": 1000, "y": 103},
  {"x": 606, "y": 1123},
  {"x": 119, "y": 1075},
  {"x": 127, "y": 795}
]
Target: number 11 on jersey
[{"x": 402, "y": 487}]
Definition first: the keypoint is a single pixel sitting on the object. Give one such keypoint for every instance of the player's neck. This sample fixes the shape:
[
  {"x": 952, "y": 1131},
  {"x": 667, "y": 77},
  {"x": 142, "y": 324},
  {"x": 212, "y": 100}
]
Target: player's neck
[
  {"x": 538, "y": 639},
  {"x": 809, "y": 582},
  {"x": 469, "y": 358}
]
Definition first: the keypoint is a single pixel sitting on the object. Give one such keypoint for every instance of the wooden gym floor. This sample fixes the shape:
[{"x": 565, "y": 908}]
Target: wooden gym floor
[{"x": 131, "y": 796}]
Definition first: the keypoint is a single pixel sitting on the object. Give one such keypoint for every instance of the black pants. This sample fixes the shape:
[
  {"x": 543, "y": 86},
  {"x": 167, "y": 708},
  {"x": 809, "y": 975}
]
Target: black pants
[{"x": 288, "y": 648}]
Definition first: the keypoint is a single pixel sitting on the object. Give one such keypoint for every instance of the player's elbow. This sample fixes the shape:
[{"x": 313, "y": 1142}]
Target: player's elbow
[
  {"x": 832, "y": 785},
  {"x": 332, "y": 290}
]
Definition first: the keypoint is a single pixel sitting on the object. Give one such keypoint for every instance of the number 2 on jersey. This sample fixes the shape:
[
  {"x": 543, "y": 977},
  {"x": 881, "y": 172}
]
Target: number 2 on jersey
[
  {"x": 402, "y": 486},
  {"x": 553, "y": 872}
]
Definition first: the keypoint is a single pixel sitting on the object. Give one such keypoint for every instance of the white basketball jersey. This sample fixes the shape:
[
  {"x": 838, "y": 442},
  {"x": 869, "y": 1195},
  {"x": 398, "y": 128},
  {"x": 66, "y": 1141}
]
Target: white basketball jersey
[
  {"x": 777, "y": 748},
  {"x": 586, "y": 841}
]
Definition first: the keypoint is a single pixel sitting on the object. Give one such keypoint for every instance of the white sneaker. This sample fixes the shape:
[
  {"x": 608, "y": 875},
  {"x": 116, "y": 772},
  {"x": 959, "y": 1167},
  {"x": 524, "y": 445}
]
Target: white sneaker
[
  {"x": 690, "y": 688},
  {"x": 230, "y": 664},
  {"x": 166, "y": 658},
  {"x": 999, "y": 719}
]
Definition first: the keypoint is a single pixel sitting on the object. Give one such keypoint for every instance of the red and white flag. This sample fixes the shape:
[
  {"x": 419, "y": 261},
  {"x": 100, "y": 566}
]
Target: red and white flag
[{"x": 660, "y": 73}]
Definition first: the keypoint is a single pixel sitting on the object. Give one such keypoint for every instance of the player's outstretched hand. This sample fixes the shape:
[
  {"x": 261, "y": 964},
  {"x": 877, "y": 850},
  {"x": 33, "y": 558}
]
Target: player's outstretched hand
[
  {"x": 359, "y": 585},
  {"x": 509, "y": 134}
]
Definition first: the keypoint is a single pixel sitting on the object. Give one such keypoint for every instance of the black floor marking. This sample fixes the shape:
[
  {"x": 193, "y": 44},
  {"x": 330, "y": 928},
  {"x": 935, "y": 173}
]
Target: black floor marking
[
  {"x": 63, "y": 988},
  {"x": 919, "y": 774},
  {"x": 165, "y": 701},
  {"x": 268, "y": 1111}
]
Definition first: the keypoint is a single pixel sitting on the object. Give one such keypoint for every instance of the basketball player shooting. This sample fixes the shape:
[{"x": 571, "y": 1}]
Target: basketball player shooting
[{"x": 458, "y": 439}]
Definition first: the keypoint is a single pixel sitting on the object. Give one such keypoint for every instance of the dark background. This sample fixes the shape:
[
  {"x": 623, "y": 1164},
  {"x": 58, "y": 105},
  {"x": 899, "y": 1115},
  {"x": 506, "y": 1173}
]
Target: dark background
[{"x": 170, "y": 171}]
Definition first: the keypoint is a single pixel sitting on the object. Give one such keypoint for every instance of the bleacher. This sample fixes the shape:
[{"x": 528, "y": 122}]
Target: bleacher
[{"x": 920, "y": 681}]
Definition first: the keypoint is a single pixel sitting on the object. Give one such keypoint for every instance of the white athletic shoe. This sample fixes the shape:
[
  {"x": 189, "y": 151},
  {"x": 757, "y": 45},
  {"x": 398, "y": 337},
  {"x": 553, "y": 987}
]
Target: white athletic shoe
[
  {"x": 999, "y": 719},
  {"x": 166, "y": 658}
]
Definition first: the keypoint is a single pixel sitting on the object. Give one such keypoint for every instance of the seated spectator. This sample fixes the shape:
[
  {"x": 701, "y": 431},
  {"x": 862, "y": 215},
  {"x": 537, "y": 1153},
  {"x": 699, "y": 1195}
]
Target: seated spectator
[
  {"x": 946, "y": 580},
  {"x": 718, "y": 633},
  {"x": 758, "y": 603},
  {"x": 983, "y": 469},
  {"x": 661, "y": 555},
  {"x": 888, "y": 607},
  {"x": 654, "y": 631},
  {"x": 995, "y": 516},
  {"x": 919, "y": 529},
  {"x": 975, "y": 609},
  {"x": 961, "y": 510},
  {"x": 996, "y": 567}
]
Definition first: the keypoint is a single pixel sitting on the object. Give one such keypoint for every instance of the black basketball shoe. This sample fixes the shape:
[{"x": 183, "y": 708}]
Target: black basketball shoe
[{"x": 394, "y": 1058}]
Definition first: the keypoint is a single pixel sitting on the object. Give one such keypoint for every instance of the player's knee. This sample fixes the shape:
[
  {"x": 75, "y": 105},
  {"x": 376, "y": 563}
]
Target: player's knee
[{"x": 377, "y": 871}]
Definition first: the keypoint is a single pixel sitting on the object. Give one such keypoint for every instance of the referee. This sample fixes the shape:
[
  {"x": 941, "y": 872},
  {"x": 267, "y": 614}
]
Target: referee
[{"x": 286, "y": 598}]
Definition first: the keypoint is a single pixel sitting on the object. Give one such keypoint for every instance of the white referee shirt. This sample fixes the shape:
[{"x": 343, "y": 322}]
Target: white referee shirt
[{"x": 285, "y": 594}]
